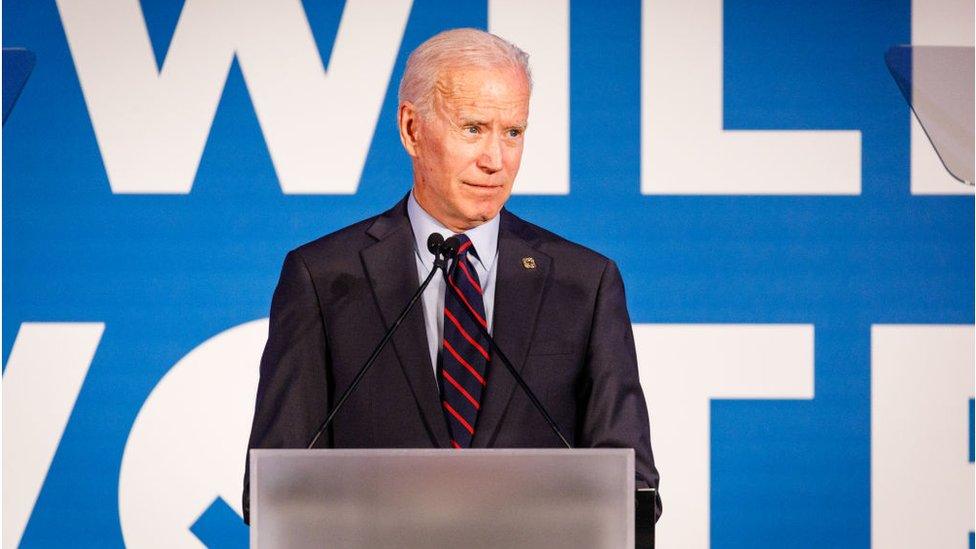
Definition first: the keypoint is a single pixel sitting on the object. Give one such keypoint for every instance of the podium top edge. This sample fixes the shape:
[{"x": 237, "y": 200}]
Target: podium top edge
[{"x": 415, "y": 452}]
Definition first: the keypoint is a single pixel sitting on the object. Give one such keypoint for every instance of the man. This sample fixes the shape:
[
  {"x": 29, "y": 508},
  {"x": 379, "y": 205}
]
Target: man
[{"x": 556, "y": 309}]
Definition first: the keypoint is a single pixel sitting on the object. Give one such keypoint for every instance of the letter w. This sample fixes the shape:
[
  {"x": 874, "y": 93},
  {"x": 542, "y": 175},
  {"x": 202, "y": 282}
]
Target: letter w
[{"x": 152, "y": 125}]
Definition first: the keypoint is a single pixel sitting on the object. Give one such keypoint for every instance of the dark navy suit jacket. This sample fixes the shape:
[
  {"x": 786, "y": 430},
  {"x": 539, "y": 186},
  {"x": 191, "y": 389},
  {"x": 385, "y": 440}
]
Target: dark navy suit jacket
[{"x": 564, "y": 324}]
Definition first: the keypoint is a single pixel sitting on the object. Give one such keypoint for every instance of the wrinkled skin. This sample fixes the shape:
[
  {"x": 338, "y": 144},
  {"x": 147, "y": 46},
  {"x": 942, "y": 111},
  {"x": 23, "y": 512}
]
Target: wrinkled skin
[{"x": 467, "y": 150}]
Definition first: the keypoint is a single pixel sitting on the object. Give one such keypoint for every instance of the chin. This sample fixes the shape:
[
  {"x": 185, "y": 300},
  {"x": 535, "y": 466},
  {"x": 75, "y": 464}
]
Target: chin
[
  {"x": 485, "y": 214},
  {"x": 479, "y": 216}
]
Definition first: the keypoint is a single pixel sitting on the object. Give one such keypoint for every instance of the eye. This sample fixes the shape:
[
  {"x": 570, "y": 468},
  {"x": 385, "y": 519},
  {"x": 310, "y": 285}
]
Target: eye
[
  {"x": 514, "y": 132},
  {"x": 472, "y": 130}
]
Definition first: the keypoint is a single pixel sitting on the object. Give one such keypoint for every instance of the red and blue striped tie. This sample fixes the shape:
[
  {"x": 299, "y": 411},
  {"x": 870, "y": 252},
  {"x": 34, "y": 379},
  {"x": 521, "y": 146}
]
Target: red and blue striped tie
[{"x": 464, "y": 353}]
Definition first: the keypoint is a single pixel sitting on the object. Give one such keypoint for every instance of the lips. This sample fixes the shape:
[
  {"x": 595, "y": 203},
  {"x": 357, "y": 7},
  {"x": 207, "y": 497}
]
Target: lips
[{"x": 482, "y": 185}]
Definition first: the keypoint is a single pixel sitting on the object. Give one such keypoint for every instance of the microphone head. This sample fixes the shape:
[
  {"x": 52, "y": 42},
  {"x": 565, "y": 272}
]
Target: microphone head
[
  {"x": 434, "y": 243},
  {"x": 450, "y": 247}
]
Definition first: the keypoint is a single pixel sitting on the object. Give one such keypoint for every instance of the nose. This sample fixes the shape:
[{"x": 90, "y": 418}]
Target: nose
[{"x": 490, "y": 159}]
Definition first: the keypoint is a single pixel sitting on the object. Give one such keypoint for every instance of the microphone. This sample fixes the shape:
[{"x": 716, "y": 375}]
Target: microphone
[
  {"x": 434, "y": 243},
  {"x": 508, "y": 363},
  {"x": 443, "y": 250},
  {"x": 450, "y": 248}
]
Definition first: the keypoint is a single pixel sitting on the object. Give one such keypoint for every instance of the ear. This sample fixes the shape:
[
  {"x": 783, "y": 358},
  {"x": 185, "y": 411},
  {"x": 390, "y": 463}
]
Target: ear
[{"x": 408, "y": 121}]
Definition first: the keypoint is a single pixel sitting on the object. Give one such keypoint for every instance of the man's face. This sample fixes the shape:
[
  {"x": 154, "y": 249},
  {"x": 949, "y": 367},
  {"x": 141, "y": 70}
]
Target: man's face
[{"x": 467, "y": 150}]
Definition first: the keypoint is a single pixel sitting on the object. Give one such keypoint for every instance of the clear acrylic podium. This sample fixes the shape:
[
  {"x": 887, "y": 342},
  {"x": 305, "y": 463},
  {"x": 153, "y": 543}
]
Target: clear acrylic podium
[{"x": 442, "y": 498}]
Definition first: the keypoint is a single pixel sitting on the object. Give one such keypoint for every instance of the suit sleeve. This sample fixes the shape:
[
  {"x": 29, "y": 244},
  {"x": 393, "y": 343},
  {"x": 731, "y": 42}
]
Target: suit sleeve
[
  {"x": 616, "y": 411},
  {"x": 292, "y": 397}
]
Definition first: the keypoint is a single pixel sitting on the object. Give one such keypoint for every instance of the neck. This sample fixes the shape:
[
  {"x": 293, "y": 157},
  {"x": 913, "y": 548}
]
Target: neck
[{"x": 451, "y": 225}]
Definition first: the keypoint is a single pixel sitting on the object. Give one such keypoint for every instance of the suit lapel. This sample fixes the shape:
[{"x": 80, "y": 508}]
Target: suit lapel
[
  {"x": 518, "y": 295},
  {"x": 392, "y": 272}
]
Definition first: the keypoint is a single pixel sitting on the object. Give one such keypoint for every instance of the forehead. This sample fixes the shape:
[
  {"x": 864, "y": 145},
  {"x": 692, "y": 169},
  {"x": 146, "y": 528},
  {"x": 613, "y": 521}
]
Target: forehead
[{"x": 503, "y": 89}]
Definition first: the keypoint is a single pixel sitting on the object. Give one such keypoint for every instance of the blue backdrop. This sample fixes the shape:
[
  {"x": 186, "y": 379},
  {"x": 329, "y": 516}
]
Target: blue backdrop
[{"x": 166, "y": 272}]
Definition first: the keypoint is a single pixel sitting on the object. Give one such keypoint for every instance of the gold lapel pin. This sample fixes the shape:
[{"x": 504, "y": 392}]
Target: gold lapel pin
[{"x": 528, "y": 262}]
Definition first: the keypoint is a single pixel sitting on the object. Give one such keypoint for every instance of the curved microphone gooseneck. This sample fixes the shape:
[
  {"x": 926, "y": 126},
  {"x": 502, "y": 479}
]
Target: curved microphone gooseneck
[
  {"x": 443, "y": 251},
  {"x": 508, "y": 365}
]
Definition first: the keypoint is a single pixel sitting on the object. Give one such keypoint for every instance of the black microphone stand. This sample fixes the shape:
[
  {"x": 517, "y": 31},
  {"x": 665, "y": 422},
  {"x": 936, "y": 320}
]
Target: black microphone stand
[
  {"x": 511, "y": 369},
  {"x": 442, "y": 251},
  {"x": 644, "y": 498}
]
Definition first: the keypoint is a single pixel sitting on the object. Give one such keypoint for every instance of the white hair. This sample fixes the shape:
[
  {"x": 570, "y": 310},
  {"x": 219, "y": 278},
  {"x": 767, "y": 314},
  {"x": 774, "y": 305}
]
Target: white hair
[{"x": 455, "y": 49}]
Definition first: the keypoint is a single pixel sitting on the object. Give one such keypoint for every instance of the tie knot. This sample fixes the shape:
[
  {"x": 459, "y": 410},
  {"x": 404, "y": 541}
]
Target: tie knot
[{"x": 465, "y": 246}]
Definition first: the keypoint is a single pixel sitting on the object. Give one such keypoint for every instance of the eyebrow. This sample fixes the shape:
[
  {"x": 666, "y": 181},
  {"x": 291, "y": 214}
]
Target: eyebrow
[
  {"x": 472, "y": 122},
  {"x": 476, "y": 122}
]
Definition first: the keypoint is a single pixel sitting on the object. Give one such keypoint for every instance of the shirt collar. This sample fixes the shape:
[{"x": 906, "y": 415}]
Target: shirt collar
[{"x": 484, "y": 237}]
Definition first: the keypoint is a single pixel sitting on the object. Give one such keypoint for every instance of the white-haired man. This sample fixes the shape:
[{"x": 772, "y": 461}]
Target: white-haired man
[{"x": 555, "y": 308}]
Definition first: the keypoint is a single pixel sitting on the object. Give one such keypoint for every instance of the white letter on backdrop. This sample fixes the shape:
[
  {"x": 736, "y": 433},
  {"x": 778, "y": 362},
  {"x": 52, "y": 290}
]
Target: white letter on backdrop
[{"x": 152, "y": 124}]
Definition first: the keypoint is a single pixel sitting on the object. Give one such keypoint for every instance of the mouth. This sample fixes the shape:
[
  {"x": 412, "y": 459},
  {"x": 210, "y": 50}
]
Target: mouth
[{"x": 481, "y": 185}]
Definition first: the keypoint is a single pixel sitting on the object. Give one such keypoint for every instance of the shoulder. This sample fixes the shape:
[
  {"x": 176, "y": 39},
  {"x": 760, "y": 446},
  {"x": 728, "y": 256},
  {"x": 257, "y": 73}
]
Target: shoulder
[
  {"x": 333, "y": 246},
  {"x": 339, "y": 250},
  {"x": 566, "y": 255}
]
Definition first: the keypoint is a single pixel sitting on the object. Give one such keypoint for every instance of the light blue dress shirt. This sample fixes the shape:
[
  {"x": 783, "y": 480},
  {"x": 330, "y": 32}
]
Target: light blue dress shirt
[{"x": 484, "y": 238}]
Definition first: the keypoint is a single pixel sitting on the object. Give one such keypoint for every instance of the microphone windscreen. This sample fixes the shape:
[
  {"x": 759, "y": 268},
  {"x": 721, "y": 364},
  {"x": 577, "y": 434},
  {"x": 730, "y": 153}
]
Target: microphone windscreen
[
  {"x": 450, "y": 247},
  {"x": 434, "y": 242}
]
